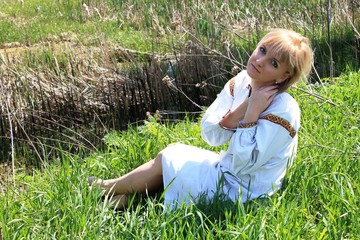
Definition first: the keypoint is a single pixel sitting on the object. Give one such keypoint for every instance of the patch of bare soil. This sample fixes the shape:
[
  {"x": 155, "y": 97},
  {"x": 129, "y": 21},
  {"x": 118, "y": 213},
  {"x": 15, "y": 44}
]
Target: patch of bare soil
[
  {"x": 3, "y": 15},
  {"x": 13, "y": 48},
  {"x": 64, "y": 41}
]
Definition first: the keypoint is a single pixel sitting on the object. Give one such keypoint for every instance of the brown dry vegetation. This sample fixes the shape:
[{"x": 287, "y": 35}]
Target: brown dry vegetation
[
  {"x": 61, "y": 92},
  {"x": 82, "y": 92}
]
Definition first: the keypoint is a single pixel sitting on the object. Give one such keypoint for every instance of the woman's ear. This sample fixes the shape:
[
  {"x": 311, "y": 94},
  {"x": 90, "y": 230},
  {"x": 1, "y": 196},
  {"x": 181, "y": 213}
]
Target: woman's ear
[{"x": 285, "y": 77}]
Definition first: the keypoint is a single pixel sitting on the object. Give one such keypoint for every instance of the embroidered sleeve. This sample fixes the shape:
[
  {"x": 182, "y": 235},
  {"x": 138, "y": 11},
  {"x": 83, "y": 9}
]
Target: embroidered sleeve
[
  {"x": 211, "y": 131},
  {"x": 280, "y": 121}
]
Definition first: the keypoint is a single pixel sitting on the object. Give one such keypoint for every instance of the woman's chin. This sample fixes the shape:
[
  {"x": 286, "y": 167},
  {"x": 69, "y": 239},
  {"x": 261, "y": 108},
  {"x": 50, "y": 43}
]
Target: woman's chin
[{"x": 251, "y": 73}]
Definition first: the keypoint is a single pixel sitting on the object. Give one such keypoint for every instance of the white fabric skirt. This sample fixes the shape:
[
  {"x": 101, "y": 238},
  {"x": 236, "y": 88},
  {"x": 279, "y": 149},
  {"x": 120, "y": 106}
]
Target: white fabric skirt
[{"x": 189, "y": 172}]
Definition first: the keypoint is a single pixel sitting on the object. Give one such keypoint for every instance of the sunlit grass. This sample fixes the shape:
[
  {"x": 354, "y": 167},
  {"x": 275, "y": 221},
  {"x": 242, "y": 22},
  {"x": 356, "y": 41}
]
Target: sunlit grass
[{"x": 319, "y": 199}]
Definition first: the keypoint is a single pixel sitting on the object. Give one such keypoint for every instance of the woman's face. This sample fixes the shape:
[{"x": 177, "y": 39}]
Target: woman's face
[{"x": 265, "y": 69}]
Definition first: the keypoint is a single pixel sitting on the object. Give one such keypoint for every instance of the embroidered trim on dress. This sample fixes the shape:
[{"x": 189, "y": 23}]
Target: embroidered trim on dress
[
  {"x": 247, "y": 125},
  {"x": 280, "y": 121},
  {"x": 232, "y": 86}
]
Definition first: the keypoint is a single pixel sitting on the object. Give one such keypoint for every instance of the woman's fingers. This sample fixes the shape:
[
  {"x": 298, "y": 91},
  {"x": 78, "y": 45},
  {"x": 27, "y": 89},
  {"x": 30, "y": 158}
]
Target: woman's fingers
[
  {"x": 268, "y": 91},
  {"x": 264, "y": 92},
  {"x": 261, "y": 98}
]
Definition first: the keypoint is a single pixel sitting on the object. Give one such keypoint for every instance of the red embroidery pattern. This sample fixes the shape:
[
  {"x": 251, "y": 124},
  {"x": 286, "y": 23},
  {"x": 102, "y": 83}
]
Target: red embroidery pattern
[
  {"x": 247, "y": 125},
  {"x": 280, "y": 121}
]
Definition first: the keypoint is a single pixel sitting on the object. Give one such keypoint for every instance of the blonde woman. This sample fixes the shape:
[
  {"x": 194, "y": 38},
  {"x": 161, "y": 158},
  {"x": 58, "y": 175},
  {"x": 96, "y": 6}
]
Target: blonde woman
[{"x": 258, "y": 118}]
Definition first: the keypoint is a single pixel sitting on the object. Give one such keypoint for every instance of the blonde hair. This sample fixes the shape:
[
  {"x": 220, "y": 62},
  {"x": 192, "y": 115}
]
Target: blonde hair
[{"x": 292, "y": 48}]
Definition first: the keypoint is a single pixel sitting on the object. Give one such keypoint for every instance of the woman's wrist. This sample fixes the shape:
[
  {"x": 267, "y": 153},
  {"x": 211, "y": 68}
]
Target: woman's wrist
[
  {"x": 223, "y": 123},
  {"x": 227, "y": 122},
  {"x": 250, "y": 116}
]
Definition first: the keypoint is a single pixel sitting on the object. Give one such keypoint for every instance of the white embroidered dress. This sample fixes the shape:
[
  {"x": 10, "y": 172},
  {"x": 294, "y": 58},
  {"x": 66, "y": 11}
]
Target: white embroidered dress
[{"x": 255, "y": 162}]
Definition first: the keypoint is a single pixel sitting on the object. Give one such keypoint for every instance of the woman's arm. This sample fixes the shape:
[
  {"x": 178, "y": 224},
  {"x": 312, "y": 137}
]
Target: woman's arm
[
  {"x": 211, "y": 131},
  {"x": 250, "y": 110},
  {"x": 252, "y": 147},
  {"x": 232, "y": 118}
]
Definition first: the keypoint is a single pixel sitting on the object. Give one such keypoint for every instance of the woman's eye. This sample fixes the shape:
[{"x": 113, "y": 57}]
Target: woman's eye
[
  {"x": 274, "y": 63},
  {"x": 262, "y": 49}
]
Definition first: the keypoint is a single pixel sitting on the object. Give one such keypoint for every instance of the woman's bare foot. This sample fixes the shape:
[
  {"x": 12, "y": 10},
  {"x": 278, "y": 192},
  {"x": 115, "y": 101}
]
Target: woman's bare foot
[
  {"x": 117, "y": 202},
  {"x": 145, "y": 178},
  {"x": 92, "y": 180},
  {"x": 105, "y": 185}
]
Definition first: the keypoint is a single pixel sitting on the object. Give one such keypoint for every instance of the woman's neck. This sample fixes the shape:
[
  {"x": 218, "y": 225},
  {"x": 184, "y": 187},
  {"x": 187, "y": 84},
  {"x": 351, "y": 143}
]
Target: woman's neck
[{"x": 255, "y": 84}]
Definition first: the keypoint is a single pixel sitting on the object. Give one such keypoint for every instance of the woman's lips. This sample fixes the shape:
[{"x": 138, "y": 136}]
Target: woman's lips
[{"x": 255, "y": 68}]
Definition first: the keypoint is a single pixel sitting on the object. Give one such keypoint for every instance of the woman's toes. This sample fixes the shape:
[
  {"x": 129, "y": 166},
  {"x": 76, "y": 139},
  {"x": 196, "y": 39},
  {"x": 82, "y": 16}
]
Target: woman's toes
[
  {"x": 91, "y": 180},
  {"x": 94, "y": 181},
  {"x": 117, "y": 202}
]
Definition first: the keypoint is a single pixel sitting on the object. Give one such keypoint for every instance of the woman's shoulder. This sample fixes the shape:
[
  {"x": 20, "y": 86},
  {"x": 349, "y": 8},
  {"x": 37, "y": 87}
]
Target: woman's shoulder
[
  {"x": 285, "y": 98},
  {"x": 239, "y": 83},
  {"x": 242, "y": 78},
  {"x": 284, "y": 102},
  {"x": 284, "y": 107}
]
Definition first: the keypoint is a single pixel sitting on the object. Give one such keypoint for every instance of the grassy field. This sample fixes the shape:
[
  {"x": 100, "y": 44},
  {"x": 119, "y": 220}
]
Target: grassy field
[
  {"x": 319, "y": 200},
  {"x": 50, "y": 51}
]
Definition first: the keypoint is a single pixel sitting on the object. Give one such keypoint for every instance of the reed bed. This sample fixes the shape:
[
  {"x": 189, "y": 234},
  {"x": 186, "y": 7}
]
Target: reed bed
[{"x": 67, "y": 98}]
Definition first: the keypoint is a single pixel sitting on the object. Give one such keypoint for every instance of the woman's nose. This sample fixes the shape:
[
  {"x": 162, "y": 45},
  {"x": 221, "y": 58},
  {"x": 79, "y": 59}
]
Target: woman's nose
[{"x": 259, "y": 61}]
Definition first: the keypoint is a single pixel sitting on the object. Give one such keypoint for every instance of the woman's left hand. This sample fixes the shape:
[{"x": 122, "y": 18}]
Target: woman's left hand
[{"x": 259, "y": 100}]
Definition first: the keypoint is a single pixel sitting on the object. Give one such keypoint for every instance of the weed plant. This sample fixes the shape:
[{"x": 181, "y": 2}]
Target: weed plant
[{"x": 319, "y": 199}]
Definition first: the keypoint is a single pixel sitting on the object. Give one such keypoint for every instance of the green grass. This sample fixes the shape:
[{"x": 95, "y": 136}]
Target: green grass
[
  {"x": 214, "y": 21},
  {"x": 319, "y": 199},
  {"x": 42, "y": 21}
]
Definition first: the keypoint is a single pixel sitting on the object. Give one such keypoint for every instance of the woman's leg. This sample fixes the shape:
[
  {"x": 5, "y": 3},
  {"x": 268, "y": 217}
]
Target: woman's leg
[{"x": 147, "y": 177}]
